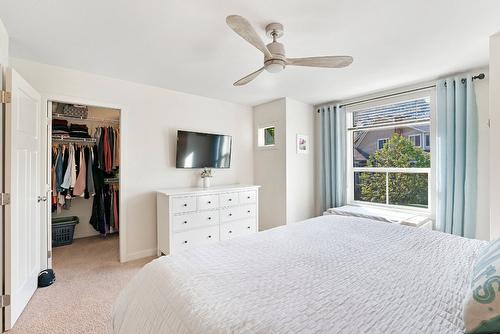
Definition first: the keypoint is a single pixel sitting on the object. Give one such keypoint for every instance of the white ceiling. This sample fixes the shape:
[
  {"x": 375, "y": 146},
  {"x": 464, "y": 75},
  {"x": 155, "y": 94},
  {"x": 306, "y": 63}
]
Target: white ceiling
[{"x": 186, "y": 46}]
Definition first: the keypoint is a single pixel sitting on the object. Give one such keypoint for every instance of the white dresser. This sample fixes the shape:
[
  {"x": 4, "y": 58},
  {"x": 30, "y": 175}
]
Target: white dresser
[{"x": 190, "y": 217}]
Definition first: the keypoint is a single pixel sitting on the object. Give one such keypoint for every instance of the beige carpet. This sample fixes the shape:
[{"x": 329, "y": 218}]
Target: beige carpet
[{"x": 88, "y": 280}]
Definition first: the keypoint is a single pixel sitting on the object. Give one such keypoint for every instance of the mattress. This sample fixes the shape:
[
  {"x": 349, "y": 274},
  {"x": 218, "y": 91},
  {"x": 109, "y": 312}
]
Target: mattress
[{"x": 330, "y": 274}]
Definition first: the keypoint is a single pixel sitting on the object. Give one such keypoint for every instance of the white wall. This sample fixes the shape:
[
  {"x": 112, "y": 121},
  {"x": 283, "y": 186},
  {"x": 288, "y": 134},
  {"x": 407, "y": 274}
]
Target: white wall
[
  {"x": 494, "y": 135},
  {"x": 150, "y": 119},
  {"x": 286, "y": 177},
  {"x": 270, "y": 165},
  {"x": 300, "y": 185},
  {"x": 4, "y": 46}
]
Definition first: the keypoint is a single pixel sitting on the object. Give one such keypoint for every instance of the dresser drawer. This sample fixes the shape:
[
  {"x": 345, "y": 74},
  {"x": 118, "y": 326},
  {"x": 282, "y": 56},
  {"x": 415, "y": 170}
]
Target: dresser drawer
[
  {"x": 195, "y": 220},
  {"x": 249, "y": 196},
  {"x": 229, "y": 199},
  {"x": 247, "y": 211},
  {"x": 230, "y": 214},
  {"x": 208, "y": 202},
  {"x": 237, "y": 229},
  {"x": 193, "y": 238},
  {"x": 183, "y": 204}
]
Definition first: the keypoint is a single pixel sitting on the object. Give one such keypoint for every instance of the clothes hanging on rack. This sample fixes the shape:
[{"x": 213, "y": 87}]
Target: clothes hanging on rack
[
  {"x": 108, "y": 142},
  {"x": 105, "y": 212},
  {"x": 72, "y": 174}
]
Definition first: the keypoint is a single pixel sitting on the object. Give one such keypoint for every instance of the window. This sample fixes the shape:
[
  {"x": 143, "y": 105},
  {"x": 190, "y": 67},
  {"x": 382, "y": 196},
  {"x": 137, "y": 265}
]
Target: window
[
  {"x": 388, "y": 164},
  {"x": 267, "y": 136},
  {"x": 415, "y": 139},
  {"x": 427, "y": 141},
  {"x": 381, "y": 143}
]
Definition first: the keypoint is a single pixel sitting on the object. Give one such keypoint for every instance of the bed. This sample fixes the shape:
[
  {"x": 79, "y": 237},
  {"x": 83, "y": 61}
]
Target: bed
[{"x": 330, "y": 274}]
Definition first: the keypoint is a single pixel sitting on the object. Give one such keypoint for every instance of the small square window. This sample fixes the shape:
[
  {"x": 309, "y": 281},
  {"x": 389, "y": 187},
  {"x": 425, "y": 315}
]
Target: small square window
[
  {"x": 381, "y": 143},
  {"x": 267, "y": 136},
  {"x": 427, "y": 140},
  {"x": 415, "y": 140}
]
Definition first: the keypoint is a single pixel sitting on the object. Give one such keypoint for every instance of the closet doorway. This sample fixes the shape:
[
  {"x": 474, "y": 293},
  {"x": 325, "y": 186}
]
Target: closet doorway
[{"x": 84, "y": 180}]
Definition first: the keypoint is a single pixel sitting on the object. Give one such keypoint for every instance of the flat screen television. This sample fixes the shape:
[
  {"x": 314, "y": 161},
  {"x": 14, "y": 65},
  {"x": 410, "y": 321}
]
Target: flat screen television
[{"x": 200, "y": 150}]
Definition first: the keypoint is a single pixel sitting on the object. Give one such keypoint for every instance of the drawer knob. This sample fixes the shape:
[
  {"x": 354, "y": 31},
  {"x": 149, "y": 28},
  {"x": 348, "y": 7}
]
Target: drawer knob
[
  {"x": 209, "y": 236},
  {"x": 209, "y": 218},
  {"x": 230, "y": 214},
  {"x": 185, "y": 204},
  {"x": 230, "y": 199},
  {"x": 248, "y": 227},
  {"x": 230, "y": 231},
  {"x": 185, "y": 241},
  {"x": 209, "y": 202},
  {"x": 248, "y": 211},
  {"x": 248, "y": 197},
  {"x": 185, "y": 222}
]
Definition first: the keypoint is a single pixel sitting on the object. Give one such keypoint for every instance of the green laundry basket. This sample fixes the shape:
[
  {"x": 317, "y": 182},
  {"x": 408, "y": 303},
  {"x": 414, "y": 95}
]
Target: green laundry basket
[{"x": 63, "y": 230}]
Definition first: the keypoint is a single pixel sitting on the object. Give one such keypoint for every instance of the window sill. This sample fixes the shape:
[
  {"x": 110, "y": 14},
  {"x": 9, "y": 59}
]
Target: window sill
[
  {"x": 409, "y": 217},
  {"x": 267, "y": 148}
]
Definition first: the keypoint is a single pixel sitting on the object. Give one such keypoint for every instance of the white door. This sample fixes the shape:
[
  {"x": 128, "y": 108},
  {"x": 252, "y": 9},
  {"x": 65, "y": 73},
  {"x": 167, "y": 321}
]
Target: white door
[
  {"x": 23, "y": 179},
  {"x": 2, "y": 112}
]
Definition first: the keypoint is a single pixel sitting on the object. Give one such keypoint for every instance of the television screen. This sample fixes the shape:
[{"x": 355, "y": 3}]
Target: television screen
[{"x": 200, "y": 150}]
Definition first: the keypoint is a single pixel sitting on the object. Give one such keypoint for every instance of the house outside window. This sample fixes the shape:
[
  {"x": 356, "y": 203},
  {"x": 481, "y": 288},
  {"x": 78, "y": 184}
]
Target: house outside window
[{"x": 389, "y": 161}]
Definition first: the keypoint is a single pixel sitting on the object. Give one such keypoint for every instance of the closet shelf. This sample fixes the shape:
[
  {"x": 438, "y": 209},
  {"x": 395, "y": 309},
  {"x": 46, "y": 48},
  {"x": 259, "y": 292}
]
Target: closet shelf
[
  {"x": 60, "y": 139},
  {"x": 88, "y": 119}
]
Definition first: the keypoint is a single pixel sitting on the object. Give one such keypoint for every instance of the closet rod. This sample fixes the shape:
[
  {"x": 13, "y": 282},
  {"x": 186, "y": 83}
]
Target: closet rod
[
  {"x": 88, "y": 119},
  {"x": 73, "y": 140}
]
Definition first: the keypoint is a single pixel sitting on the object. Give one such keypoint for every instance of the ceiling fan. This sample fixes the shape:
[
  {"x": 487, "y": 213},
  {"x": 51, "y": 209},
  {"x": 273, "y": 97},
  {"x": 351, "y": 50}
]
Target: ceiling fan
[{"x": 274, "y": 53}]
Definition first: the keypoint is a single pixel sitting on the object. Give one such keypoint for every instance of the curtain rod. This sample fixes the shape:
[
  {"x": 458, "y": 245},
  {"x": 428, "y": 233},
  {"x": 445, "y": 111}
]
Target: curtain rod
[{"x": 480, "y": 76}]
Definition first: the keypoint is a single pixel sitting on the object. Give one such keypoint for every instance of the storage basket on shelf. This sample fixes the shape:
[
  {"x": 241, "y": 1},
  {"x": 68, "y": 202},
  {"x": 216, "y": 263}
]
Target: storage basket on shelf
[{"x": 63, "y": 230}]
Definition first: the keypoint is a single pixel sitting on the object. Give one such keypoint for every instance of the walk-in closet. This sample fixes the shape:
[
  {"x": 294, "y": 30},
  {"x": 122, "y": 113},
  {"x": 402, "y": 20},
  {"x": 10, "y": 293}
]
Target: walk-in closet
[{"x": 84, "y": 178}]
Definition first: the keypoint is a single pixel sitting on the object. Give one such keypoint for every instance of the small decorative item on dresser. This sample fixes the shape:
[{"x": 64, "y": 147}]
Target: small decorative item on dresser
[{"x": 206, "y": 175}]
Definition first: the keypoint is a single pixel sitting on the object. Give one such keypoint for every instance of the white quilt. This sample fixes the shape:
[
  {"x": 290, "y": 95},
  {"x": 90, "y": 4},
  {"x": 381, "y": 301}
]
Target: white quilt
[{"x": 330, "y": 274}]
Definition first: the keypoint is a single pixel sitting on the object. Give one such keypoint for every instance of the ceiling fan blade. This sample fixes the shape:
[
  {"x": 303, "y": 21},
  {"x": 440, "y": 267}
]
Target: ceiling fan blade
[
  {"x": 327, "y": 61},
  {"x": 242, "y": 27},
  {"x": 248, "y": 78}
]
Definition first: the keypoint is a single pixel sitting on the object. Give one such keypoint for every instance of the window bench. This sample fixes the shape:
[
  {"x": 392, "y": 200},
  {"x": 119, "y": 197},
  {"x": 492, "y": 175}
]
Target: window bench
[{"x": 384, "y": 214}]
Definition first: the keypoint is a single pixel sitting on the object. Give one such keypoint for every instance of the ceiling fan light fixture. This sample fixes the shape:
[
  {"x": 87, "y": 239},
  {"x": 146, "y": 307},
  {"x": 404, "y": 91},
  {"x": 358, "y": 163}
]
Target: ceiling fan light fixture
[
  {"x": 275, "y": 59},
  {"x": 274, "y": 66}
]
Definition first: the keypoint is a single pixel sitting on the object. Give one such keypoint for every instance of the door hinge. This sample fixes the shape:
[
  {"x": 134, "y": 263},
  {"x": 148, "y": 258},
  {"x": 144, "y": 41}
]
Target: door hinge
[
  {"x": 4, "y": 199},
  {"x": 4, "y": 300},
  {"x": 49, "y": 254},
  {"x": 5, "y": 97}
]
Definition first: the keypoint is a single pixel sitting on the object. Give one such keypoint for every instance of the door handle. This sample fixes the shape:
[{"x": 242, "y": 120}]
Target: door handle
[{"x": 41, "y": 198}]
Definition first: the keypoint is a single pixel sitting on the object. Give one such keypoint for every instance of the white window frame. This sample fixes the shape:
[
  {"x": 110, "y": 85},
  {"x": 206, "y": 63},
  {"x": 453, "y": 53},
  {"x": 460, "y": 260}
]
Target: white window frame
[
  {"x": 385, "y": 140},
  {"x": 416, "y": 136},
  {"x": 261, "y": 133},
  {"x": 431, "y": 172}
]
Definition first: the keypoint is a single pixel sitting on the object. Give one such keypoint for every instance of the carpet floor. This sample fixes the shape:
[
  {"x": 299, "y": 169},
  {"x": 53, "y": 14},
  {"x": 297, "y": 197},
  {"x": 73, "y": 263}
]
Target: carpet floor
[{"x": 88, "y": 280}]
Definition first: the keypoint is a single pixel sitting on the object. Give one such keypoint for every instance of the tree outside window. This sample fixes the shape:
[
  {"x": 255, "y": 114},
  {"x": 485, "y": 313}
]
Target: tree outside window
[{"x": 408, "y": 189}]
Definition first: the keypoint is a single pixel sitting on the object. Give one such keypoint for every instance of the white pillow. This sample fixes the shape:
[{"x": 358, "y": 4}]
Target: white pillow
[{"x": 482, "y": 303}]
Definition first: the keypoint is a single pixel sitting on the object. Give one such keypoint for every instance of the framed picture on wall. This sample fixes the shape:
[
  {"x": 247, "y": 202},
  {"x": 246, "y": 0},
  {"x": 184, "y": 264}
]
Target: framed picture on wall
[{"x": 302, "y": 144}]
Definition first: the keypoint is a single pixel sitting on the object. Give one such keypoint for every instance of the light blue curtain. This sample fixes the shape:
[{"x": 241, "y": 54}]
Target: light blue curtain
[
  {"x": 333, "y": 134},
  {"x": 457, "y": 137}
]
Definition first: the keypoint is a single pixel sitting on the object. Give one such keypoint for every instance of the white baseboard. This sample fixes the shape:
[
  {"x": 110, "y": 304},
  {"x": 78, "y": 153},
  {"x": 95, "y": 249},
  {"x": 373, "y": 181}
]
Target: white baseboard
[{"x": 140, "y": 254}]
